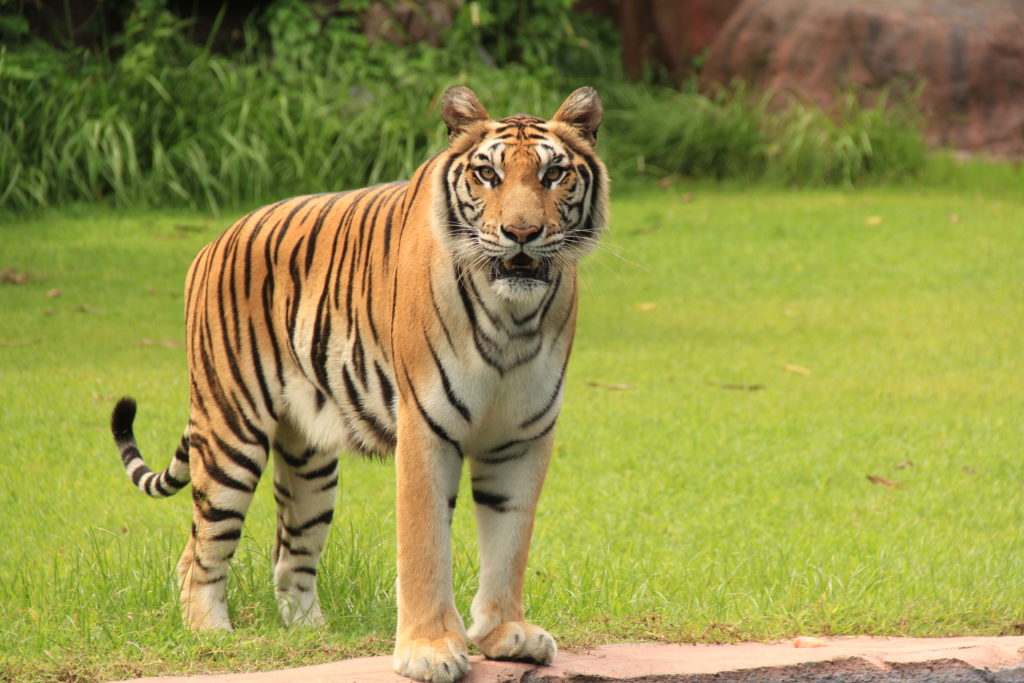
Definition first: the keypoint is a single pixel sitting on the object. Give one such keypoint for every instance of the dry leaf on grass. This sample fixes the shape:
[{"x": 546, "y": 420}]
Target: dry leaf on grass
[
  {"x": 53, "y": 293},
  {"x": 18, "y": 342},
  {"x": 12, "y": 276},
  {"x": 738, "y": 387},
  {"x": 646, "y": 305},
  {"x": 82, "y": 308},
  {"x": 873, "y": 220},
  {"x": 809, "y": 641},
  {"x": 612, "y": 387},
  {"x": 167, "y": 343},
  {"x": 882, "y": 481},
  {"x": 796, "y": 369},
  {"x": 905, "y": 464}
]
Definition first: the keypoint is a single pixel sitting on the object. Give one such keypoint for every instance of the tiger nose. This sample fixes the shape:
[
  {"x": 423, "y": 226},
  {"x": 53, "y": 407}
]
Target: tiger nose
[{"x": 521, "y": 234}]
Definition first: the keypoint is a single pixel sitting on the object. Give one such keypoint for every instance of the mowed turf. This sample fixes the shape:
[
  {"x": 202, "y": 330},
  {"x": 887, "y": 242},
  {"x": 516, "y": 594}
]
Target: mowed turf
[{"x": 787, "y": 412}]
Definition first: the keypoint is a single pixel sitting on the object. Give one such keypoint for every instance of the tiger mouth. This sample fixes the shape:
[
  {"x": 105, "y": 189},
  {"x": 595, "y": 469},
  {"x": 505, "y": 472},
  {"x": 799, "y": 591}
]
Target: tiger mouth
[{"x": 520, "y": 266}]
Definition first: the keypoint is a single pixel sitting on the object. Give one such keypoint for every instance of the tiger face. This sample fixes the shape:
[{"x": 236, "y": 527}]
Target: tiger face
[{"x": 524, "y": 195}]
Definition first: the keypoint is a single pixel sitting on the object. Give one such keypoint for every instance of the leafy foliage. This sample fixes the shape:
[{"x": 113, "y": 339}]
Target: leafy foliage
[{"x": 308, "y": 104}]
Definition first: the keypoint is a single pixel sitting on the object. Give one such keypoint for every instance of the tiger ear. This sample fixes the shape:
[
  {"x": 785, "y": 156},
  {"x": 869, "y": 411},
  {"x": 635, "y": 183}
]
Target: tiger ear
[
  {"x": 460, "y": 107},
  {"x": 583, "y": 111}
]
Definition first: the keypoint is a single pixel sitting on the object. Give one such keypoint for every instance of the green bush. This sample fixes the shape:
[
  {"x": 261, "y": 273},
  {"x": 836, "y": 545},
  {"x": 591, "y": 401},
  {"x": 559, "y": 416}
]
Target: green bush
[
  {"x": 736, "y": 134},
  {"x": 307, "y": 104}
]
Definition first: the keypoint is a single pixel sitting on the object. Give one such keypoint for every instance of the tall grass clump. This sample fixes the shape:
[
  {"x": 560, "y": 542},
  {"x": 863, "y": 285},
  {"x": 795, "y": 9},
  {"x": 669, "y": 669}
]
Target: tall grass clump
[
  {"x": 307, "y": 103},
  {"x": 738, "y": 134}
]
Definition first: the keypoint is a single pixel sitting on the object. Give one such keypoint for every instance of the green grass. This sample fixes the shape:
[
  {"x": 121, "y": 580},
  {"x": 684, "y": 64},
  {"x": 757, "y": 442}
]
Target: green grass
[{"x": 717, "y": 497}]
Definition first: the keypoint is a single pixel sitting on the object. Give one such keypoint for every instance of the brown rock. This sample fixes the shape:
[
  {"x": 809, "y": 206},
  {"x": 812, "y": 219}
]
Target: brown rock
[
  {"x": 670, "y": 32},
  {"x": 968, "y": 53}
]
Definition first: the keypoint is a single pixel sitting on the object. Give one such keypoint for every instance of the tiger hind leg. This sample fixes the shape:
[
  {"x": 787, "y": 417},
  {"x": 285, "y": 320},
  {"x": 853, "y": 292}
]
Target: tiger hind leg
[
  {"x": 225, "y": 469},
  {"x": 305, "y": 486}
]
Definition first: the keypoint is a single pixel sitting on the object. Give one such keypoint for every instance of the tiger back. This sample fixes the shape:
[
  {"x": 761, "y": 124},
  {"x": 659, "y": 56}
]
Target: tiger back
[{"x": 431, "y": 318}]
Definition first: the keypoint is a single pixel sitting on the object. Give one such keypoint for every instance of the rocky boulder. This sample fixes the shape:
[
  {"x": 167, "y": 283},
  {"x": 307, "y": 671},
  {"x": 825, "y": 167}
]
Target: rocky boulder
[{"x": 966, "y": 55}]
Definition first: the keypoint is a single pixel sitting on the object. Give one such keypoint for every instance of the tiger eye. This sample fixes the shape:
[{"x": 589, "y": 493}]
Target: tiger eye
[
  {"x": 553, "y": 174},
  {"x": 486, "y": 173}
]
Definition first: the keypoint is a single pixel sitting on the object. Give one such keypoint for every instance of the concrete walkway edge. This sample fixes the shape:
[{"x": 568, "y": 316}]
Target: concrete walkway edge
[{"x": 861, "y": 660}]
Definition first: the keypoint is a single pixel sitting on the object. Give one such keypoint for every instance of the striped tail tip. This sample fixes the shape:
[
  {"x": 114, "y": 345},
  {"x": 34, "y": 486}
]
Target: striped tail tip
[
  {"x": 161, "y": 485},
  {"x": 122, "y": 419}
]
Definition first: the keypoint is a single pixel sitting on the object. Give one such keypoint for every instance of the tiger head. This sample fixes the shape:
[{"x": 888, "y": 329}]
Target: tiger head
[{"x": 524, "y": 198}]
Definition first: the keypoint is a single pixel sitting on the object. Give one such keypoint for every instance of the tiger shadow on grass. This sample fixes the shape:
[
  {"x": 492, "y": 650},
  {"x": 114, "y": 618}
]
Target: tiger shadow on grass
[{"x": 430, "y": 318}]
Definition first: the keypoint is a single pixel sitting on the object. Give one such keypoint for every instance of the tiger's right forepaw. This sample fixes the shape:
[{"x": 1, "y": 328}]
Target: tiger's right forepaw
[
  {"x": 442, "y": 660},
  {"x": 518, "y": 641}
]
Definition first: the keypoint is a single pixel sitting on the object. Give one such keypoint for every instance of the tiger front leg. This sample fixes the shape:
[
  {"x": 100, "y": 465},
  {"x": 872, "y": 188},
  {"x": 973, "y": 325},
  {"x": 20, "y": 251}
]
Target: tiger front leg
[
  {"x": 506, "y": 485},
  {"x": 431, "y": 641}
]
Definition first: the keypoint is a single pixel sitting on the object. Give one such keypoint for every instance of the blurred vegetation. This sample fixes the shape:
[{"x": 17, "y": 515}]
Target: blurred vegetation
[{"x": 302, "y": 101}]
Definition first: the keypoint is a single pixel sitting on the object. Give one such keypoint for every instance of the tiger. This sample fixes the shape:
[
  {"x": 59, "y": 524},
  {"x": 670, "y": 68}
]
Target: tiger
[{"x": 431, "y": 318}]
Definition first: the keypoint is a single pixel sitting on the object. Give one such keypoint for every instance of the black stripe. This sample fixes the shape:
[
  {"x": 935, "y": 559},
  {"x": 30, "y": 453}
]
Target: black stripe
[
  {"x": 181, "y": 453},
  {"x": 515, "y": 455},
  {"x": 291, "y": 549},
  {"x": 319, "y": 472},
  {"x": 516, "y": 442},
  {"x": 130, "y": 455},
  {"x": 434, "y": 426},
  {"x": 317, "y": 227},
  {"x": 421, "y": 174},
  {"x": 282, "y": 227},
  {"x": 359, "y": 357},
  {"x": 213, "y": 468},
  {"x": 268, "y": 322},
  {"x": 282, "y": 491},
  {"x": 295, "y": 295},
  {"x": 237, "y": 456},
  {"x": 437, "y": 312},
  {"x": 380, "y": 431},
  {"x": 495, "y": 501},
  {"x": 535, "y": 418},
  {"x": 229, "y": 535},
  {"x": 467, "y": 304},
  {"x": 215, "y": 514},
  {"x": 323, "y": 518},
  {"x": 294, "y": 460},
  {"x": 386, "y": 389},
  {"x": 172, "y": 481},
  {"x": 446, "y": 384},
  {"x": 253, "y": 232},
  {"x": 389, "y": 223}
]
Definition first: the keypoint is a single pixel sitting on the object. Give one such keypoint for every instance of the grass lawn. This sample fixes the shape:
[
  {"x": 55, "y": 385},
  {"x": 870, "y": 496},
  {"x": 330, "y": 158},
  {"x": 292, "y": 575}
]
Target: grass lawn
[{"x": 747, "y": 361}]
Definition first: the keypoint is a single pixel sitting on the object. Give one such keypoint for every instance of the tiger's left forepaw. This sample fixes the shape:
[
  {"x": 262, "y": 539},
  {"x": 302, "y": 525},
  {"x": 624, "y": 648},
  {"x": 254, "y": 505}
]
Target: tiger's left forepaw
[{"x": 518, "y": 641}]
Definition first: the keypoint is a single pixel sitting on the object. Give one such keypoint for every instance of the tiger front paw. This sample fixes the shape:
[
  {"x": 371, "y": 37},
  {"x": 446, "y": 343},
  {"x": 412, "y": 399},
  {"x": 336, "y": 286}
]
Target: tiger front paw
[
  {"x": 442, "y": 660},
  {"x": 518, "y": 641}
]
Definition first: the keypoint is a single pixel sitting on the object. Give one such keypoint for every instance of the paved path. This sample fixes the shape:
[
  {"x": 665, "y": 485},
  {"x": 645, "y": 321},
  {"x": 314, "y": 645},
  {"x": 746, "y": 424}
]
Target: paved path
[{"x": 859, "y": 660}]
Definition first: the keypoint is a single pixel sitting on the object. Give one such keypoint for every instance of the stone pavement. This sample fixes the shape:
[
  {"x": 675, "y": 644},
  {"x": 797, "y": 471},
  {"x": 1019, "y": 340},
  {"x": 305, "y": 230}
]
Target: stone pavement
[{"x": 836, "y": 660}]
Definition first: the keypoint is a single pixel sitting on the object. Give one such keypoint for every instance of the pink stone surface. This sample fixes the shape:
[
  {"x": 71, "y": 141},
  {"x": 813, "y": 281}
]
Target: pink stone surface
[{"x": 652, "y": 660}]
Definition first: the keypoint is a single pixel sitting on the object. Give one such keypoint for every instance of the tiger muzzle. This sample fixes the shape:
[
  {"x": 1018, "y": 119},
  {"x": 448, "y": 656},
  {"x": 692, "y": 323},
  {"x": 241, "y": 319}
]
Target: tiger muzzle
[{"x": 521, "y": 265}]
